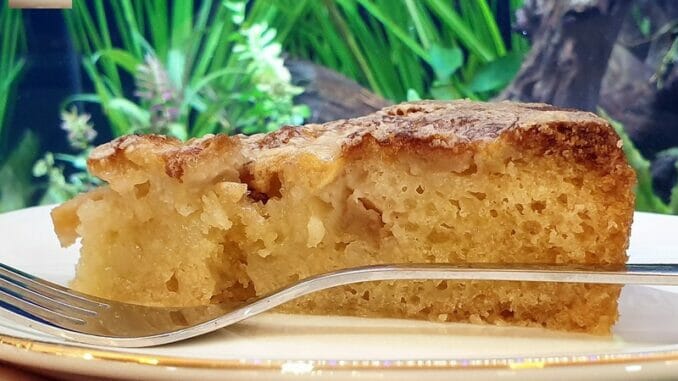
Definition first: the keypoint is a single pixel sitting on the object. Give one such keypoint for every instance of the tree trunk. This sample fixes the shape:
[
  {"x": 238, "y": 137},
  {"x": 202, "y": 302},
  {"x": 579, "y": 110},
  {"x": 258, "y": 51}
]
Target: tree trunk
[
  {"x": 330, "y": 95},
  {"x": 570, "y": 50}
]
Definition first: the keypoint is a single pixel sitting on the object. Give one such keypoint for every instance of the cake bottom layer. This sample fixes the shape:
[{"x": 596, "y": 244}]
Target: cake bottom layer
[{"x": 562, "y": 306}]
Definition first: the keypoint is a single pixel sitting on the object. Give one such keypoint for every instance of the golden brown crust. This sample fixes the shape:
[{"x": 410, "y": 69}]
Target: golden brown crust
[
  {"x": 455, "y": 126},
  {"x": 135, "y": 151}
]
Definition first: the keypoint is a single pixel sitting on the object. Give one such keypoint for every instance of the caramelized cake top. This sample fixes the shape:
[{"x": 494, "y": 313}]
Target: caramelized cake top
[{"x": 421, "y": 126}]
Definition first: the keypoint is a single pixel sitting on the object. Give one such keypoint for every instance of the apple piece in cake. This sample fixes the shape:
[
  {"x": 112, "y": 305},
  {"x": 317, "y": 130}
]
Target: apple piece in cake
[{"x": 223, "y": 218}]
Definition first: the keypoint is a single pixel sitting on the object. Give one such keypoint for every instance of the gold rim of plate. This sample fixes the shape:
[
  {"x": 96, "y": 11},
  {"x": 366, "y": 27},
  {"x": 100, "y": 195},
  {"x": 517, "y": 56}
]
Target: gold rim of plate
[{"x": 512, "y": 363}]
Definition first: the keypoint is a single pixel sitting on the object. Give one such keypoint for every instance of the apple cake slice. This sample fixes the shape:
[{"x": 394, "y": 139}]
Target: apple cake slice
[{"x": 222, "y": 218}]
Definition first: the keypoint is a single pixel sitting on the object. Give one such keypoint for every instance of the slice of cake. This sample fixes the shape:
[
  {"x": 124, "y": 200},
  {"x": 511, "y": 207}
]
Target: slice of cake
[{"x": 224, "y": 218}]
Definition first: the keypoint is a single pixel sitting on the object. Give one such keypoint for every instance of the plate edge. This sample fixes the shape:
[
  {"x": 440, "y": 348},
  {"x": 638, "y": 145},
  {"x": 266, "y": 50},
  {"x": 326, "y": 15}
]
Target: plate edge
[{"x": 310, "y": 365}]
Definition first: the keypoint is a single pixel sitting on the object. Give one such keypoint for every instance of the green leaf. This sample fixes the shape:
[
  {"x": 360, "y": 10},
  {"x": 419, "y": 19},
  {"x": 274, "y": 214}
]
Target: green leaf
[
  {"x": 646, "y": 199},
  {"x": 118, "y": 125},
  {"x": 413, "y": 95},
  {"x": 120, "y": 57},
  {"x": 394, "y": 28},
  {"x": 192, "y": 91},
  {"x": 78, "y": 161},
  {"x": 674, "y": 195},
  {"x": 207, "y": 120},
  {"x": 497, "y": 73},
  {"x": 16, "y": 189},
  {"x": 181, "y": 22},
  {"x": 176, "y": 64},
  {"x": 131, "y": 110},
  {"x": 213, "y": 37},
  {"x": 445, "y": 61},
  {"x": 444, "y": 91},
  {"x": 673, "y": 151},
  {"x": 158, "y": 13},
  {"x": 6, "y": 84},
  {"x": 490, "y": 25},
  {"x": 422, "y": 22},
  {"x": 177, "y": 130},
  {"x": 128, "y": 12},
  {"x": 451, "y": 18},
  {"x": 90, "y": 98},
  {"x": 11, "y": 74}
]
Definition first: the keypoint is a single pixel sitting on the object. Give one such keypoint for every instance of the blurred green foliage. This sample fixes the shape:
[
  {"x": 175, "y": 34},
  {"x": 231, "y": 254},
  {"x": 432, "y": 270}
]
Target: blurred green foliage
[
  {"x": 12, "y": 44},
  {"x": 187, "y": 68},
  {"x": 432, "y": 48},
  {"x": 646, "y": 199},
  {"x": 16, "y": 158},
  {"x": 16, "y": 183},
  {"x": 198, "y": 67}
]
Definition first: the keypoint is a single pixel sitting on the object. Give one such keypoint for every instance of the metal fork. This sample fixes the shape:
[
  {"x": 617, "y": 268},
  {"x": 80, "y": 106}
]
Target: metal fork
[{"x": 62, "y": 312}]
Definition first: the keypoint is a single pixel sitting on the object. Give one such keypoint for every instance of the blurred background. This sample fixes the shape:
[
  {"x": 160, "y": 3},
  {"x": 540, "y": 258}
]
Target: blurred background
[{"x": 72, "y": 79}]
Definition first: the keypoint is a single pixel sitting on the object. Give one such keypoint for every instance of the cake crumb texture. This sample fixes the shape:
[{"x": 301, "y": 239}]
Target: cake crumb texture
[{"x": 222, "y": 218}]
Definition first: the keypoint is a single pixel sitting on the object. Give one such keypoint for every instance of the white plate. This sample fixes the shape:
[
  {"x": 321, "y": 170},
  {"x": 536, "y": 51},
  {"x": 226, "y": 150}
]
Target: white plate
[{"x": 287, "y": 347}]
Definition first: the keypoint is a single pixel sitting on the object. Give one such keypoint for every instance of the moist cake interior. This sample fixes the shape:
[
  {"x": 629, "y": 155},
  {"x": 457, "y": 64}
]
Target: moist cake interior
[{"x": 221, "y": 225}]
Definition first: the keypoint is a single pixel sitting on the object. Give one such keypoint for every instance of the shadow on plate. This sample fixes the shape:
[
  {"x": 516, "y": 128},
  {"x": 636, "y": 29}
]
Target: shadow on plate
[{"x": 648, "y": 315}]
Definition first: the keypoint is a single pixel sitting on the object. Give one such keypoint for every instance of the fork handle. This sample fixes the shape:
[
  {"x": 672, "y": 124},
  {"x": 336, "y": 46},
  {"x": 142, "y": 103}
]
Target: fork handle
[
  {"x": 663, "y": 274},
  {"x": 164, "y": 329}
]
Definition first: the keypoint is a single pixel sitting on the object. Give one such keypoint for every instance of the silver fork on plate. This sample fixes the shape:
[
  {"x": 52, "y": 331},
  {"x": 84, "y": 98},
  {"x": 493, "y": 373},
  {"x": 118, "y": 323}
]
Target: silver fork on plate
[{"x": 62, "y": 312}]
